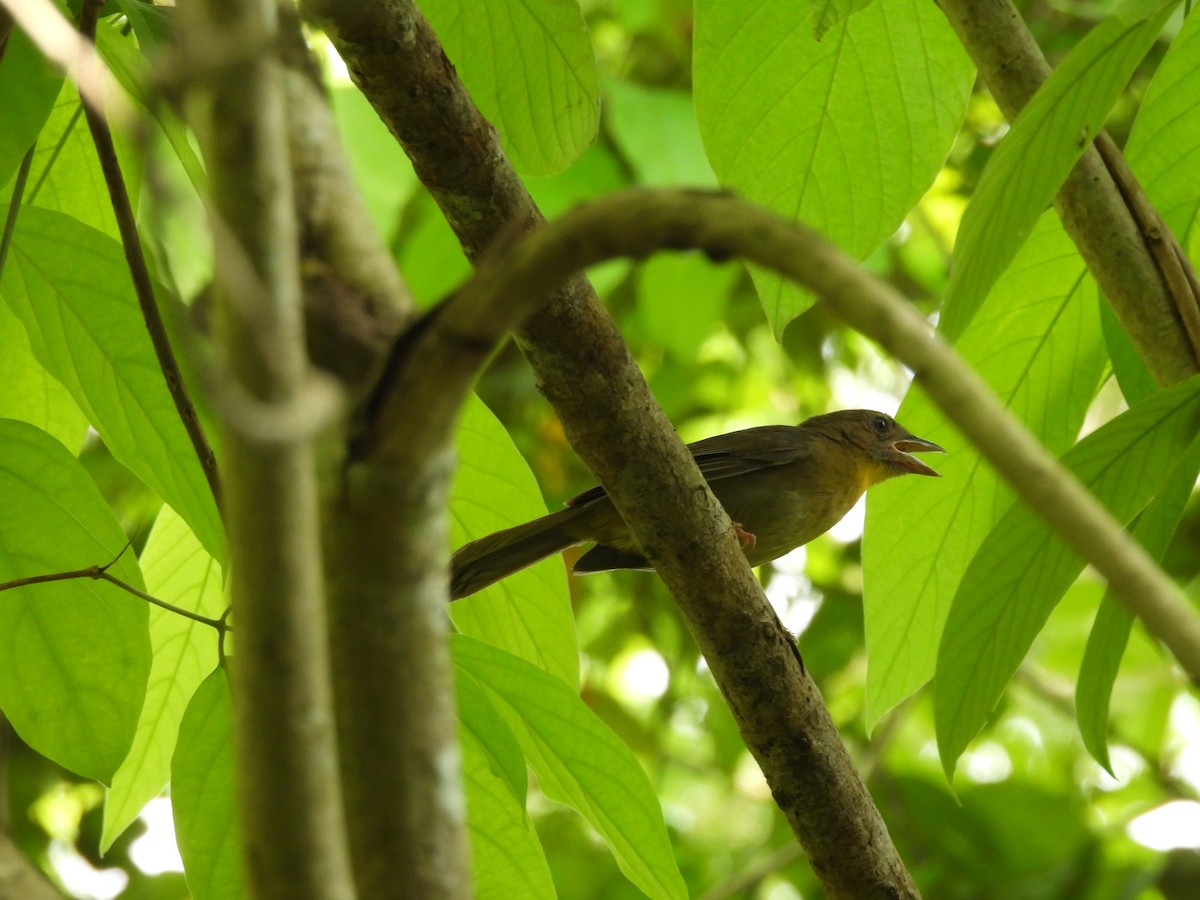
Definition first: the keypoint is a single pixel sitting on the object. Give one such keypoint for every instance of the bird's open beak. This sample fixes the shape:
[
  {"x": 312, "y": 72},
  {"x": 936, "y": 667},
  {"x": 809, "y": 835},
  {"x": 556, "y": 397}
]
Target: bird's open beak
[{"x": 909, "y": 445}]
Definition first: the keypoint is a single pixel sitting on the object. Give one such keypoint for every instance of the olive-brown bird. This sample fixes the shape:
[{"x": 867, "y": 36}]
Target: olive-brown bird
[{"x": 782, "y": 485}]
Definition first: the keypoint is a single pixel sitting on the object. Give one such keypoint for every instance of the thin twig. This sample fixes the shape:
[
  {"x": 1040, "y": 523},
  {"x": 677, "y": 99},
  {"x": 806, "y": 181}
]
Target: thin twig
[
  {"x": 142, "y": 284},
  {"x": 100, "y": 573}
]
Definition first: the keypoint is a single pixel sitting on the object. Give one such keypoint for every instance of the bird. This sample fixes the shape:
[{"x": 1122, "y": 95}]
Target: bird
[{"x": 782, "y": 486}]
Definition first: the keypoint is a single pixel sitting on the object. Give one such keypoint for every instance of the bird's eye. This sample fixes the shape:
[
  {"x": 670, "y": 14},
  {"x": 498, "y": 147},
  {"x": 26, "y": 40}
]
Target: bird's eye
[{"x": 880, "y": 424}]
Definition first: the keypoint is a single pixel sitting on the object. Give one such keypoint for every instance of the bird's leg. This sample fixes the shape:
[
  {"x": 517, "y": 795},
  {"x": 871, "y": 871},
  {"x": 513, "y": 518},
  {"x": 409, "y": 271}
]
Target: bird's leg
[{"x": 747, "y": 539}]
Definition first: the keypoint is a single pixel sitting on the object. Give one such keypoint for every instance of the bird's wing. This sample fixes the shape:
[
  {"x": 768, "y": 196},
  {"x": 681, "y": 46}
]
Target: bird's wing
[
  {"x": 736, "y": 453},
  {"x": 749, "y": 450}
]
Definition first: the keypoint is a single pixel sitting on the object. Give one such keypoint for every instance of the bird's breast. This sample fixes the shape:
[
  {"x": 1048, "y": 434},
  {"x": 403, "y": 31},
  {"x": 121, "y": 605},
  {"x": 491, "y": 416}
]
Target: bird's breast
[{"x": 783, "y": 509}]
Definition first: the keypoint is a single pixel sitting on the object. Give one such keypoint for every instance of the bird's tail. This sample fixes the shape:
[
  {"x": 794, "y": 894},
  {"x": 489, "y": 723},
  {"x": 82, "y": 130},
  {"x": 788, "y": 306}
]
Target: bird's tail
[{"x": 480, "y": 563}]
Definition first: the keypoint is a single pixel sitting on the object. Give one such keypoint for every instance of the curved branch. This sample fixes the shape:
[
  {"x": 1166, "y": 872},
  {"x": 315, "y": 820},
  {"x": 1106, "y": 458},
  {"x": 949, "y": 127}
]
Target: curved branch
[{"x": 636, "y": 223}]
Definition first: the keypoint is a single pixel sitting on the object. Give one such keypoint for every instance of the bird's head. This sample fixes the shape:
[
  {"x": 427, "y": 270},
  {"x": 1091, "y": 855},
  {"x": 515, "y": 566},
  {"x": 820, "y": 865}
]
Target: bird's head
[{"x": 886, "y": 445}]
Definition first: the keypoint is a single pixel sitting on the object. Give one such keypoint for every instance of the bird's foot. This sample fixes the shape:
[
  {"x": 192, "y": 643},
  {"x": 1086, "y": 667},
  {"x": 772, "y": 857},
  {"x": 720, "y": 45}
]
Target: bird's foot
[{"x": 747, "y": 539}]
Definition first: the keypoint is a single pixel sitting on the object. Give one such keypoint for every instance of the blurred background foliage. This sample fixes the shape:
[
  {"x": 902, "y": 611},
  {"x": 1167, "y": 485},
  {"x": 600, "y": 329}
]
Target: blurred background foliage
[{"x": 1033, "y": 816}]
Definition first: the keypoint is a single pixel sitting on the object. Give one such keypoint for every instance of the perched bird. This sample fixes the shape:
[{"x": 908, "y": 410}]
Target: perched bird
[{"x": 782, "y": 485}]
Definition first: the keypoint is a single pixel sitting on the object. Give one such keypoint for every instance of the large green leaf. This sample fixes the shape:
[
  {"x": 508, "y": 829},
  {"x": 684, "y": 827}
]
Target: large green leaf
[
  {"x": 30, "y": 393},
  {"x": 580, "y": 762},
  {"x": 76, "y": 652},
  {"x": 681, "y": 298},
  {"x": 1130, "y": 370},
  {"x": 529, "y": 613},
  {"x": 28, "y": 84},
  {"x": 656, "y": 131},
  {"x": 1023, "y": 568},
  {"x": 203, "y": 792},
  {"x": 65, "y": 174},
  {"x": 844, "y": 134},
  {"x": 1037, "y": 343},
  {"x": 531, "y": 71},
  {"x": 1046, "y": 140},
  {"x": 506, "y": 855},
  {"x": 178, "y": 570},
  {"x": 69, "y": 285},
  {"x": 1110, "y": 631}
]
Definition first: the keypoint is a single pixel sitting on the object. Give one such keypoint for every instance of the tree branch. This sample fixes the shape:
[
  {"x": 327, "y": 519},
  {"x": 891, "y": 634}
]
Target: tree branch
[
  {"x": 1092, "y": 208},
  {"x": 143, "y": 285},
  {"x": 289, "y": 803}
]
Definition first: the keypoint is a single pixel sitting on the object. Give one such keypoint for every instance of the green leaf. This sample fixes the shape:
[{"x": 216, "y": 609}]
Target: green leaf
[
  {"x": 1023, "y": 569},
  {"x": 844, "y": 134},
  {"x": 202, "y": 794},
  {"x": 29, "y": 85},
  {"x": 1037, "y": 343},
  {"x": 529, "y": 613},
  {"x": 480, "y": 722},
  {"x": 506, "y": 855},
  {"x": 580, "y": 762},
  {"x": 178, "y": 570},
  {"x": 132, "y": 71},
  {"x": 152, "y": 24},
  {"x": 1131, "y": 372},
  {"x": 65, "y": 174},
  {"x": 77, "y": 656},
  {"x": 656, "y": 131},
  {"x": 1110, "y": 632},
  {"x": 827, "y": 13},
  {"x": 70, "y": 287},
  {"x": 30, "y": 394},
  {"x": 546, "y": 103},
  {"x": 681, "y": 297},
  {"x": 1032, "y": 161}
]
